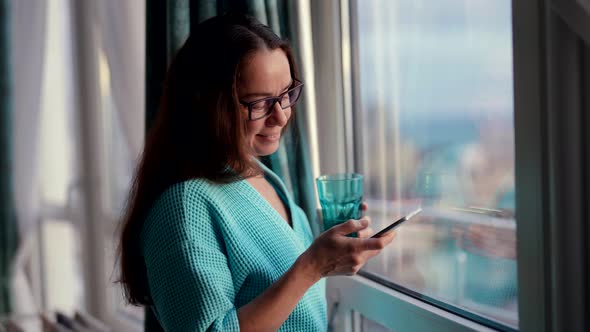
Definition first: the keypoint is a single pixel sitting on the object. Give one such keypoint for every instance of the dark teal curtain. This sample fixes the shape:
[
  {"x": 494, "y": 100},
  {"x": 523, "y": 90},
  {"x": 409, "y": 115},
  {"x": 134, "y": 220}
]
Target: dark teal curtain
[
  {"x": 168, "y": 25},
  {"x": 8, "y": 226}
]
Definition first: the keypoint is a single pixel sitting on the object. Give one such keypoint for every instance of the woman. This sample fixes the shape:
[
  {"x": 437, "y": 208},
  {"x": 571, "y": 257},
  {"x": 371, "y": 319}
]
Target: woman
[{"x": 212, "y": 239}]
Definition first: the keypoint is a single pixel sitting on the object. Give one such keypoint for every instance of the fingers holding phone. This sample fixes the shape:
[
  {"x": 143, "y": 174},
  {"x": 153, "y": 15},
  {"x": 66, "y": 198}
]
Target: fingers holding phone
[
  {"x": 366, "y": 232},
  {"x": 334, "y": 253},
  {"x": 374, "y": 245}
]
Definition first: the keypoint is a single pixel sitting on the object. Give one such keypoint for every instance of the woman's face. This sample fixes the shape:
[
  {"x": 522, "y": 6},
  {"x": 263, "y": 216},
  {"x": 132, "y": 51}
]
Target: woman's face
[{"x": 266, "y": 74}]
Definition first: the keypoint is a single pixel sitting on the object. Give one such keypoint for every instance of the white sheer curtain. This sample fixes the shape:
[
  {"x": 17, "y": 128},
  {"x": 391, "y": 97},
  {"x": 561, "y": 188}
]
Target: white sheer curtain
[
  {"x": 28, "y": 49},
  {"x": 122, "y": 30},
  {"x": 28, "y": 45},
  {"x": 43, "y": 73}
]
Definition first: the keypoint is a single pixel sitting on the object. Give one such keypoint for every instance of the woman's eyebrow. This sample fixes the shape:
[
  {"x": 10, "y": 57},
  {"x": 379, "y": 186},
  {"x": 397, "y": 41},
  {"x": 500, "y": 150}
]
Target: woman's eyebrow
[{"x": 265, "y": 94}]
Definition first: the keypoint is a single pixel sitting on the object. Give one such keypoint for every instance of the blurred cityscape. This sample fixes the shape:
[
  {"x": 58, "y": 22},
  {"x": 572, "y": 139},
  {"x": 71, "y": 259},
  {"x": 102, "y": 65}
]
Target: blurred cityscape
[{"x": 437, "y": 130}]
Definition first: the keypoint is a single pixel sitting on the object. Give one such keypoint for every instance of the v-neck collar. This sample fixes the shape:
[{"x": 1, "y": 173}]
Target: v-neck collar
[
  {"x": 282, "y": 192},
  {"x": 296, "y": 232}
]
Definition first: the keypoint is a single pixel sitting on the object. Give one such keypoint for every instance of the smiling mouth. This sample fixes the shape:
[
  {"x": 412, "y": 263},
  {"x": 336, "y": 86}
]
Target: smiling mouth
[{"x": 270, "y": 136}]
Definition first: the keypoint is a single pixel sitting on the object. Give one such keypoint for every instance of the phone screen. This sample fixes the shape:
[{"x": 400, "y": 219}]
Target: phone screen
[{"x": 397, "y": 223}]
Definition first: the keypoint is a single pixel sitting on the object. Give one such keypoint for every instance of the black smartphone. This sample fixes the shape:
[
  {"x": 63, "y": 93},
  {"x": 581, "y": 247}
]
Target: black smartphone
[{"x": 396, "y": 223}]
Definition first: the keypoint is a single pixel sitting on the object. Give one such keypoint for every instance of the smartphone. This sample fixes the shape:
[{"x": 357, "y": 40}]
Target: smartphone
[{"x": 396, "y": 223}]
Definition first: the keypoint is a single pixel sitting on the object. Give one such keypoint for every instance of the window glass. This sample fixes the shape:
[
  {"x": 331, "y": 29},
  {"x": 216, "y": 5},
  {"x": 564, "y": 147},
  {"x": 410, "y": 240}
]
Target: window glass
[{"x": 436, "y": 130}]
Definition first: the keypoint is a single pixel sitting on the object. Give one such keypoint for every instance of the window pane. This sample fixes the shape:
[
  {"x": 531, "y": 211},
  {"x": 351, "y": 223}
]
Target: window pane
[{"x": 436, "y": 119}]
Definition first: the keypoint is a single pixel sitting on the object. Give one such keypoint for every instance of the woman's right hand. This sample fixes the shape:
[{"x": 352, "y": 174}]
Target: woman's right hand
[{"x": 334, "y": 253}]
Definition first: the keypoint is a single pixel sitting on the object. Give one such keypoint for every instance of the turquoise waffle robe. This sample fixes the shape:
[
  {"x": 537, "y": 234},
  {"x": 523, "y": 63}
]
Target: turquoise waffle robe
[{"x": 210, "y": 249}]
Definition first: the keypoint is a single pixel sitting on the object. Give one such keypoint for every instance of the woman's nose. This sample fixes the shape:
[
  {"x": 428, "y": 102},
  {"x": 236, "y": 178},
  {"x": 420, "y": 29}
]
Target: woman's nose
[{"x": 278, "y": 117}]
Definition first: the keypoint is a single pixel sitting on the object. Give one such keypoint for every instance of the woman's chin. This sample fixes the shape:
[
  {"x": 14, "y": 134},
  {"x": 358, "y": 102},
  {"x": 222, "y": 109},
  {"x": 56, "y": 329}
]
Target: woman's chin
[{"x": 266, "y": 150}]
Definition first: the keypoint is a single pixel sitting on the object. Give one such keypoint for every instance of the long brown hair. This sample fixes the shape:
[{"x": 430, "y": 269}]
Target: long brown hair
[{"x": 199, "y": 130}]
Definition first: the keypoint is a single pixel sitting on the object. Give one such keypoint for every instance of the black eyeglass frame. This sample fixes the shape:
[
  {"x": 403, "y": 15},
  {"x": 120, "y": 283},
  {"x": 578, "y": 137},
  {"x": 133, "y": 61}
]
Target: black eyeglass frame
[{"x": 297, "y": 84}]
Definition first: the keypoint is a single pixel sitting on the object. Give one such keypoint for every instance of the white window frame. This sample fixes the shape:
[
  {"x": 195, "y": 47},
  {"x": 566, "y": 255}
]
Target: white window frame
[{"x": 551, "y": 271}]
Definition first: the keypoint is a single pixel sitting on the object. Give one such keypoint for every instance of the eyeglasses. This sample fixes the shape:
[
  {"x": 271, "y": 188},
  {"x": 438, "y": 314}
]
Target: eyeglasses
[{"x": 262, "y": 108}]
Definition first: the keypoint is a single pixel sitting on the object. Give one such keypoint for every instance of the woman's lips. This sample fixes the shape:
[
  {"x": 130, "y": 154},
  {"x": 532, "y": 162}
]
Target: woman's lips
[{"x": 270, "y": 138}]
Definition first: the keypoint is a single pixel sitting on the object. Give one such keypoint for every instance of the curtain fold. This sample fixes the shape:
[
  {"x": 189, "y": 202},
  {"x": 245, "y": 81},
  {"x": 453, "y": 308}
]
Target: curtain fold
[
  {"x": 8, "y": 227},
  {"x": 166, "y": 29},
  {"x": 27, "y": 48},
  {"x": 125, "y": 59}
]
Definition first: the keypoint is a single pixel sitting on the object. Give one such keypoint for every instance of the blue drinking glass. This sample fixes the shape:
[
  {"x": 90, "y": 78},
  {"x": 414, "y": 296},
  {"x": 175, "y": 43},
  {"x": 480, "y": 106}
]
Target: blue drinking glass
[{"x": 341, "y": 196}]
